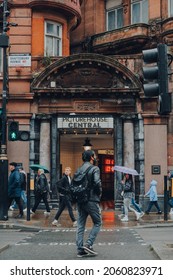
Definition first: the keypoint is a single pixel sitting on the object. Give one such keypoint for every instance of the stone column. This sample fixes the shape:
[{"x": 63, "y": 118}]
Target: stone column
[
  {"x": 45, "y": 143},
  {"x": 118, "y": 156},
  {"x": 129, "y": 158}
]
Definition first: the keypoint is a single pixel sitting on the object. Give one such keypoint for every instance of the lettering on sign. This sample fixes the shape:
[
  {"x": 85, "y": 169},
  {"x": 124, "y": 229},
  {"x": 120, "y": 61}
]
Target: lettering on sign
[{"x": 85, "y": 122}]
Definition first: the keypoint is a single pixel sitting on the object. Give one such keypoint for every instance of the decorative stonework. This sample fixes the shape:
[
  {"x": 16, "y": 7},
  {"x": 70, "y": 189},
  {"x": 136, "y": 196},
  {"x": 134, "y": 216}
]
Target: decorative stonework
[{"x": 86, "y": 106}]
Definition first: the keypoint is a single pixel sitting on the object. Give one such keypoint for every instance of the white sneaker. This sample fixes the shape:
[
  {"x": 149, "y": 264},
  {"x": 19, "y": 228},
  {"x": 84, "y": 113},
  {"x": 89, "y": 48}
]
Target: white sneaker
[
  {"x": 46, "y": 213},
  {"x": 120, "y": 216},
  {"x": 54, "y": 223},
  {"x": 11, "y": 208},
  {"x": 138, "y": 215},
  {"x": 142, "y": 214},
  {"x": 125, "y": 219},
  {"x": 31, "y": 212},
  {"x": 24, "y": 210},
  {"x": 75, "y": 224}
]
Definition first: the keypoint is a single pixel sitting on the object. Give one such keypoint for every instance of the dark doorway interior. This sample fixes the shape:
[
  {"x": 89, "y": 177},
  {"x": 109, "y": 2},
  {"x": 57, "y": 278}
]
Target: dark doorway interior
[{"x": 106, "y": 163}]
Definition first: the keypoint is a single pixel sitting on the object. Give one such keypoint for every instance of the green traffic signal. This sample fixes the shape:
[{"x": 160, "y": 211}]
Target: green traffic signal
[{"x": 13, "y": 130}]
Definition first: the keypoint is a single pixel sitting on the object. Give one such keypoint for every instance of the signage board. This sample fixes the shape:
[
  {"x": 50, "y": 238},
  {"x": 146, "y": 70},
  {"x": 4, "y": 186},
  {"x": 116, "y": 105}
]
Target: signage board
[
  {"x": 19, "y": 60},
  {"x": 85, "y": 122}
]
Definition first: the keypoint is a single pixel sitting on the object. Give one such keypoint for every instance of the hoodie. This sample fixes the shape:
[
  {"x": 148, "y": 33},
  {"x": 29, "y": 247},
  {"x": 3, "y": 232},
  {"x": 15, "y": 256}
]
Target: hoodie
[{"x": 152, "y": 193}]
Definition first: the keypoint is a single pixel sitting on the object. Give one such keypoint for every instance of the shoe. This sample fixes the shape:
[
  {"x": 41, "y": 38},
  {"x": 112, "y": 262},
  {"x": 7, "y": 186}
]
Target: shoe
[
  {"x": 125, "y": 219},
  {"x": 159, "y": 212},
  {"x": 142, "y": 214},
  {"x": 19, "y": 216},
  {"x": 146, "y": 212},
  {"x": 75, "y": 224},
  {"x": 88, "y": 249},
  {"x": 11, "y": 208},
  {"x": 47, "y": 213},
  {"x": 31, "y": 212},
  {"x": 82, "y": 254},
  {"x": 24, "y": 210},
  {"x": 54, "y": 223},
  {"x": 120, "y": 216},
  {"x": 138, "y": 215}
]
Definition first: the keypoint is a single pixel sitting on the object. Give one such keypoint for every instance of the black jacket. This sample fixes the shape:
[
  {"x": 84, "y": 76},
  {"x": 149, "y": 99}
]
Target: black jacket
[
  {"x": 94, "y": 181},
  {"x": 63, "y": 186}
]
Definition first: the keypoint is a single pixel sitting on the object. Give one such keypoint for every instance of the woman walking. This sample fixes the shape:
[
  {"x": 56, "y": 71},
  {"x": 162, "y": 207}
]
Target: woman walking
[{"x": 128, "y": 194}]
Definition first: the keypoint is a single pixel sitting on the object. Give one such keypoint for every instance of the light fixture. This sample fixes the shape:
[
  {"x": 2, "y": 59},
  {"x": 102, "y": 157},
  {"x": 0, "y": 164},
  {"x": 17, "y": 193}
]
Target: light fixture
[{"x": 87, "y": 145}]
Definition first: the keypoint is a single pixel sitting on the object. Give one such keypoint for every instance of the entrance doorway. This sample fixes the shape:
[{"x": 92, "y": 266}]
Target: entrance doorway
[{"x": 71, "y": 149}]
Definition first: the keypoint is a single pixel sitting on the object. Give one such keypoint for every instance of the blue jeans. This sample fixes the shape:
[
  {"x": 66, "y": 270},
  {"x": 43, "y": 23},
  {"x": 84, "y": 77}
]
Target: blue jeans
[
  {"x": 151, "y": 203},
  {"x": 91, "y": 209},
  {"x": 23, "y": 197},
  {"x": 136, "y": 206}
]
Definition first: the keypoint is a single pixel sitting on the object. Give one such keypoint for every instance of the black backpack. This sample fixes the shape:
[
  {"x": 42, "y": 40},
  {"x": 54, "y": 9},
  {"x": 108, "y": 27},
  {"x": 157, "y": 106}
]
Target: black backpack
[{"x": 79, "y": 186}]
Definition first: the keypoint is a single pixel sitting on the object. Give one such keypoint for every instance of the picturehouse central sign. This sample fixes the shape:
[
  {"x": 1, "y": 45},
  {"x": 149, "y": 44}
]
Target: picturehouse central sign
[{"x": 85, "y": 122}]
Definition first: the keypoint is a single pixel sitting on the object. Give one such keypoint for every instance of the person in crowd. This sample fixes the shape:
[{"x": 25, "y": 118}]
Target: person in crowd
[
  {"x": 63, "y": 186},
  {"x": 90, "y": 208},
  {"x": 152, "y": 193},
  {"x": 23, "y": 189},
  {"x": 41, "y": 191},
  {"x": 14, "y": 188},
  {"x": 129, "y": 198}
]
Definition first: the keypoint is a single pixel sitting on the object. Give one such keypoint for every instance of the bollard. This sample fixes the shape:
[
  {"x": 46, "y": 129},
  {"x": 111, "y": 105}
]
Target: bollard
[
  {"x": 166, "y": 194},
  {"x": 28, "y": 197}
]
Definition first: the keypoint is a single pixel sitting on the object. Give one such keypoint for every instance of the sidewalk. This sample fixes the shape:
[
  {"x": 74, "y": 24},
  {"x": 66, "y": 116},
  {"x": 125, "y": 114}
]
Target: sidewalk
[{"x": 152, "y": 228}]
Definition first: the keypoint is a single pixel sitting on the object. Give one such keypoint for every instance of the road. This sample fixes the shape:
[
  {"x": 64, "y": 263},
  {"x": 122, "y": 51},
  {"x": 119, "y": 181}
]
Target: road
[{"x": 59, "y": 244}]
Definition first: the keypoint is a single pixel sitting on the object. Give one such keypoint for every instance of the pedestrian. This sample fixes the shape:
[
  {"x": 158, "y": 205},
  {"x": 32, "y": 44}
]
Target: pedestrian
[
  {"x": 152, "y": 193},
  {"x": 129, "y": 198},
  {"x": 63, "y": 186},
  {"x": 90, "y": 208},
  {"x": 23, "y": 189},
  {"x": 14, "y": 188},
  {"x": 41, "y": 191}
]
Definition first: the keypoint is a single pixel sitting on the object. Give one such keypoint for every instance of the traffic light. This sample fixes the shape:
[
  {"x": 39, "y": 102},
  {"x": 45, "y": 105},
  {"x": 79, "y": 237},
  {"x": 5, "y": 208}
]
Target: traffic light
[
  {"x": 13, "y": 130},
  {"x": 24, "y": 135},
  {"x": 156, "y": 77},
  {"x": 14, "y": 134}
]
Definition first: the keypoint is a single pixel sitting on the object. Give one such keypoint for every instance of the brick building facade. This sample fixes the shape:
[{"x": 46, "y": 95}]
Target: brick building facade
[{"x": 82, "y": 77}]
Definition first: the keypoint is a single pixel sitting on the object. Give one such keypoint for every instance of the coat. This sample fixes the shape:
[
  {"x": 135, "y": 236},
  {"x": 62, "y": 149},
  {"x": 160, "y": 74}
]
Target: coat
[
  {"x": 14, "y": 187},
  {"x": 93, "y": 180},
  {"x": 152, "y": 193},
  {"x": 63, "y": 186}
]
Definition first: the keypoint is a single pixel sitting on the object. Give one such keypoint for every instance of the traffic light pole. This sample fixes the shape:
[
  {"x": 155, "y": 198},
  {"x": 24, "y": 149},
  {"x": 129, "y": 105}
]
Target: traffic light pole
[{"x": 3, "y": 148}]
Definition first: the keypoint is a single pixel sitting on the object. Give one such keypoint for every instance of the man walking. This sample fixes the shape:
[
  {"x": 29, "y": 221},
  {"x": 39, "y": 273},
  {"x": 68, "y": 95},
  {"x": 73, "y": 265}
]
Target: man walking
[
  {"x": 14, "y": 188},
  {"x": 90, "y": 208},
  {"x": 63, "y": 186}
]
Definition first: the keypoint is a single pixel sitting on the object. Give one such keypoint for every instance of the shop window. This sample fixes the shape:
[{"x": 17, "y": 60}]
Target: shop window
[
  {"x": 114, "y": 18},
  {"x": 53, "y": 39},
  {"x": 139, "y": 11},
  {"x": 170, "y": 8}
]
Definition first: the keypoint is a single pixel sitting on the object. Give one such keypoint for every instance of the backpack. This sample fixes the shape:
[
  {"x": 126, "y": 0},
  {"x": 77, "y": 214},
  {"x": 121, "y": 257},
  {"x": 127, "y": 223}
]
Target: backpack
[{"x": 79, "y": 186}]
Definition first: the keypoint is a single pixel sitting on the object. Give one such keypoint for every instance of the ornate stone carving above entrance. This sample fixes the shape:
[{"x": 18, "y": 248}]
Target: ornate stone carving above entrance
[
  {"x": 86, "y": 106},
  {"x": 86, "y": 71}
]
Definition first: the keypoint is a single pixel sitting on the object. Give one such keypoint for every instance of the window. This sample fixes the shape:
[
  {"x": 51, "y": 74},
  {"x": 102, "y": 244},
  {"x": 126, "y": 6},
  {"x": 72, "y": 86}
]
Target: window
[
  {"x": 53, "y": 39},
  {"x": 170, "y": 8},
  {"x": 114, "y": 19},
  {"x": 139, "y": 11}
]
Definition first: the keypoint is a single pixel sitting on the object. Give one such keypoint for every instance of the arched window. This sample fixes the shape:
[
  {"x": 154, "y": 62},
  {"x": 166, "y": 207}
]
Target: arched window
[{"x": 53, "y": 39}]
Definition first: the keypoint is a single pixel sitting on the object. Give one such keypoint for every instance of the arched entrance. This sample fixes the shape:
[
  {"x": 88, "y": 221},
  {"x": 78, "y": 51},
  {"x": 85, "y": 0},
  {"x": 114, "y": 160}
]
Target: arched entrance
[{"x": 88, "y": 85}]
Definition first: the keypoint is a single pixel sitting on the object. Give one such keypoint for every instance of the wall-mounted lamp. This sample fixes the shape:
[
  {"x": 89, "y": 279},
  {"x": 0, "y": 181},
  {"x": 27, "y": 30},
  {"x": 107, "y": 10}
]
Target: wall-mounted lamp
[{"x": 87, "y": 145}]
